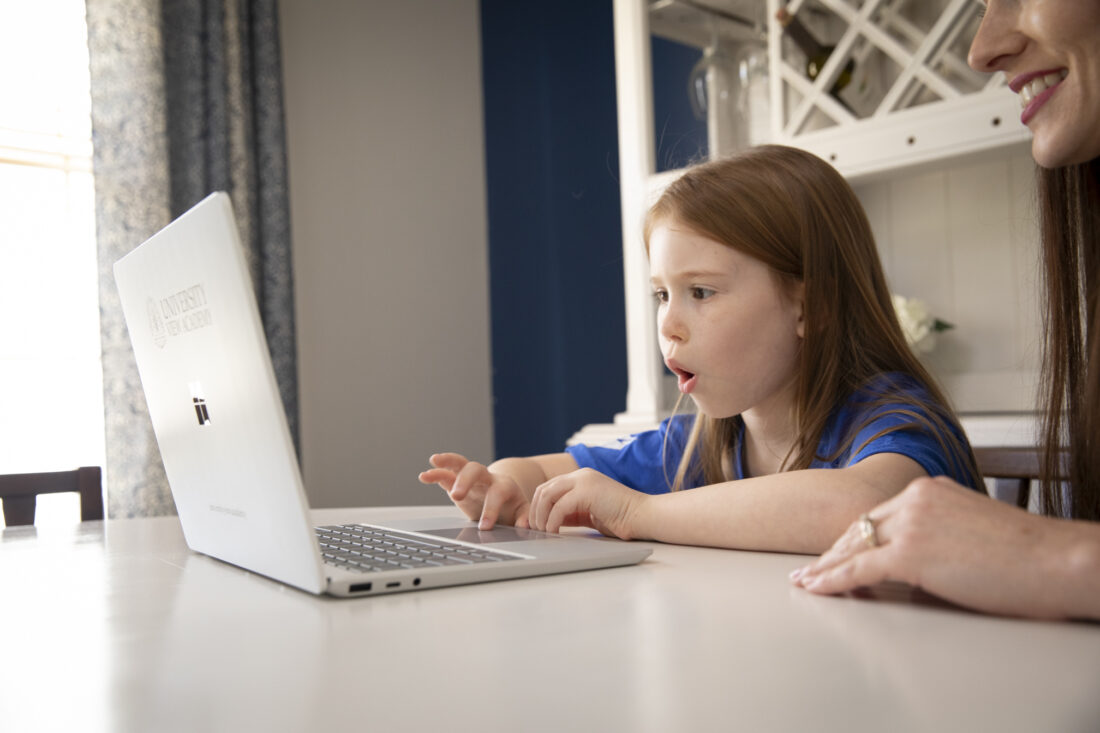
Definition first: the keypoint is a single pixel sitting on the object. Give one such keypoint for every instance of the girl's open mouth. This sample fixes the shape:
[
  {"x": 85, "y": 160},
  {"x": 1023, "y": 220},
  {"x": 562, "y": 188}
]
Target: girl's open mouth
[{"x": 685, "y": 380}]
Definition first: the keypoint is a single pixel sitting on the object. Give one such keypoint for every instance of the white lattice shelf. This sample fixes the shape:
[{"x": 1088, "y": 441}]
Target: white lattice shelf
[{"x": 924, "y": 103}]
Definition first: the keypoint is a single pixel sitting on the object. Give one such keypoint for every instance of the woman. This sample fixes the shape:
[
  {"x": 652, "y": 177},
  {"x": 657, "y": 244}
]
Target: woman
[{"x": 936, "y": 535}]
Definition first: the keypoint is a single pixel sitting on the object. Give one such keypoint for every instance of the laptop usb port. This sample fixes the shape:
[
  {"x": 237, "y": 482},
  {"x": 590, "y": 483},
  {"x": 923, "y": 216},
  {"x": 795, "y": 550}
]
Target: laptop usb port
[
  {"x": 394, "y": 584},
  {"x": 359, "y": 587}
]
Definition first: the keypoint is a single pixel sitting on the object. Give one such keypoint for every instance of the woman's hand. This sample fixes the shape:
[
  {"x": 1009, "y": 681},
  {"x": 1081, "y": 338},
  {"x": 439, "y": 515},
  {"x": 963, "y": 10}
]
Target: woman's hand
[
  {"x": 968, "y": 549},
  {"x": 481, "y": 494},
  {"x": 587, "y": 498}
]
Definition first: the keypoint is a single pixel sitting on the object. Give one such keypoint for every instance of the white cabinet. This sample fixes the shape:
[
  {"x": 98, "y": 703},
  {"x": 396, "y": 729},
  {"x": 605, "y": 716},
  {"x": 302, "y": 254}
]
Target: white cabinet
[
  {"x": 919, "y": 121},
  {"x": 911, "y": 97},
  {"x": 920, "y": 101}
]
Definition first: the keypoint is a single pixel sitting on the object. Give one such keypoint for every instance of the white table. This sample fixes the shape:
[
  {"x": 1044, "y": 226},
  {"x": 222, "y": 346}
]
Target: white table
[{"x": 116, "y": 626}]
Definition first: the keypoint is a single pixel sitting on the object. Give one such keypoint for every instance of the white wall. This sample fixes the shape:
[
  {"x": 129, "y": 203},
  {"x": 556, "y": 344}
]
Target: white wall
[
  {"x": 387, "y": 188},
  {"x": 962, "y": 237}
]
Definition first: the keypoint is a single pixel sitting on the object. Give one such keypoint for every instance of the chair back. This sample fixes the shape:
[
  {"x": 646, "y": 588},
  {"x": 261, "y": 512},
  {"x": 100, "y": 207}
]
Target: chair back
[
  {"x": 18, "y": 492},
  {"x": 1012, "y": 469}
]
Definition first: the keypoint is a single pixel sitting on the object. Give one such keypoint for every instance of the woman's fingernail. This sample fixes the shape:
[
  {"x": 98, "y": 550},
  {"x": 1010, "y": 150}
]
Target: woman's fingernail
[{"x": 797, "y": 573}]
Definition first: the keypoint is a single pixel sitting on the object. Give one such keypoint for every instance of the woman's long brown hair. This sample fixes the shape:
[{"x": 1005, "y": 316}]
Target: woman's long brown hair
[
  {"x": 796, "y": 214},
  {"x": 1069, "y": 211}
]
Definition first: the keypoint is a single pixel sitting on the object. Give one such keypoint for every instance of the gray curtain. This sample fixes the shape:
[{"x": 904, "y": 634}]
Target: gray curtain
[{"x": 186, "y": 100}]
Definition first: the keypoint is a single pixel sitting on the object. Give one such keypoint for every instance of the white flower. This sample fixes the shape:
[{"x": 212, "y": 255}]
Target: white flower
[{"x": 918, "y": 325}]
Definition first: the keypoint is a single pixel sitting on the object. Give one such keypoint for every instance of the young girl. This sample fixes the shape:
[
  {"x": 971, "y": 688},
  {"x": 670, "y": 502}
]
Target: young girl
[{"x": 774, "y": 315}]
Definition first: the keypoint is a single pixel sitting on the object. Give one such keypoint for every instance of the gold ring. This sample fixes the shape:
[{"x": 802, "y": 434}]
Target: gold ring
[{"x": 867, "y": 530}]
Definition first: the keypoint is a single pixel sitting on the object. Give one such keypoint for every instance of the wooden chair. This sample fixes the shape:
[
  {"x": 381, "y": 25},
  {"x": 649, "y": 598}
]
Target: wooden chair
[
  {"x": 1012, "y": 470},
  {"x": 18, "y": 492}
]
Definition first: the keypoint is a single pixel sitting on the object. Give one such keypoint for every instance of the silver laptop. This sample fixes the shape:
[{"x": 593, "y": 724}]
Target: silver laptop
[{"x": 219, "y": 421}]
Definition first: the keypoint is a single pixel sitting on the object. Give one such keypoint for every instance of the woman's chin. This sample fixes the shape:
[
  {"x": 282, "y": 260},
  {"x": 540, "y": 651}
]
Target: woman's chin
[{"x": 1050, "y": 154}]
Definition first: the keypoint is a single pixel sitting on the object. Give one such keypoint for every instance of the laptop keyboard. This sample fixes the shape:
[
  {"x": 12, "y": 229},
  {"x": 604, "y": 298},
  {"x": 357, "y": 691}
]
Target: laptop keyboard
[{"x": 366, "y": 549}]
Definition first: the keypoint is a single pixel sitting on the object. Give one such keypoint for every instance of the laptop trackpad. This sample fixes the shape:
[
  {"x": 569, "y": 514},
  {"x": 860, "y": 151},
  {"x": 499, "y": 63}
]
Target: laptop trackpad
[{"x": 499, "y": 533}]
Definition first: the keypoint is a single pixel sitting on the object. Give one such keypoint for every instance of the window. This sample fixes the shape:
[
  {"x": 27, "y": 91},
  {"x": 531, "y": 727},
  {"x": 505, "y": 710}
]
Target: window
[{"x": 52, "y": 417}]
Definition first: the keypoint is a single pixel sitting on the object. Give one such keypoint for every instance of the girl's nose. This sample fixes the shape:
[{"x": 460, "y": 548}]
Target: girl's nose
[
  {"x": 670, "y": 326},
  {"x": 999, "y": 37}
]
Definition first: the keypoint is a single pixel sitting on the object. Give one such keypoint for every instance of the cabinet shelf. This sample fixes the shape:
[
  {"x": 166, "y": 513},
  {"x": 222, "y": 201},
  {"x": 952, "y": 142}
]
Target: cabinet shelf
[
  {"x": 915, "y": 100},
  {"x": 696, "y": 22},
  {"x": 921, "y": 101}
]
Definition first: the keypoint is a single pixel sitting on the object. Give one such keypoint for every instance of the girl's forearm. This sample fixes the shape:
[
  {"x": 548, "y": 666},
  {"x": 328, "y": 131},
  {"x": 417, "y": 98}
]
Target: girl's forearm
[{"x": 799, "y": 511}]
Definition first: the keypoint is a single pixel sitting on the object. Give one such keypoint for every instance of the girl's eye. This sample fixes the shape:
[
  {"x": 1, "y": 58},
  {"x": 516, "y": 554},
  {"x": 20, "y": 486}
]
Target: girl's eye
[
  {"x": 701, "y": 293},
  {"x": 661, "y": 296}
]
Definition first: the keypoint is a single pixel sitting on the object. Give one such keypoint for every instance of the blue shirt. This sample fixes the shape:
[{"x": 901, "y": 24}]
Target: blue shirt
[{"x": 648, "y": 461}]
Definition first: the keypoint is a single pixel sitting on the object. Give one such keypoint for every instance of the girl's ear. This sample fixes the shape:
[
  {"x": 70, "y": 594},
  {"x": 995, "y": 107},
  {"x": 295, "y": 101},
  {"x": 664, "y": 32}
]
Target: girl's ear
[{"x": 798, "y": 299}]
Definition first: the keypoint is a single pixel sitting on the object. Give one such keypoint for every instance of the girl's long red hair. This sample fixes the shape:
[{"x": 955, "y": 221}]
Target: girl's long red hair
[{"x": 797, "y": 214}]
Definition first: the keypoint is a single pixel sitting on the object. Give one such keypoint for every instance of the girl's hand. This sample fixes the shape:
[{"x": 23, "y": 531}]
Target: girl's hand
[
  {"x": 961, "y": 546},
  {"x": 587, "y": 498},
  {"x": 481, "y": 494}
]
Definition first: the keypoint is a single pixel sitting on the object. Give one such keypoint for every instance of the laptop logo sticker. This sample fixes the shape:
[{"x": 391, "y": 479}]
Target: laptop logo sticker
[
  {"x": 199, "y": 401},
  {"x": 178, "y": 313}
]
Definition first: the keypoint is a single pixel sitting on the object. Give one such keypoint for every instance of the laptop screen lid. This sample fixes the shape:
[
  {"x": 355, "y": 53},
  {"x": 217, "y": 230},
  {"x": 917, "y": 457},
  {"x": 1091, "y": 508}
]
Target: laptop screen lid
[
  {"x": 202, "y": 356},
  {"x": 190, "y": 308}
]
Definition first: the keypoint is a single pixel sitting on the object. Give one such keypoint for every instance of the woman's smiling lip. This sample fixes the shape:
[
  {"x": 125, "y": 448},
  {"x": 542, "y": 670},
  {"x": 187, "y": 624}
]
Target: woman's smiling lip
[
  {"x": 1018, "y": 81},
  {"x": 1035, "y": 88}
]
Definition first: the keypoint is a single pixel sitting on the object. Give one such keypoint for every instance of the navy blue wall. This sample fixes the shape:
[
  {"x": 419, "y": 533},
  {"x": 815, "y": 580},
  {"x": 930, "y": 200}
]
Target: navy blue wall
[{"x": 555, "y": 239}]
